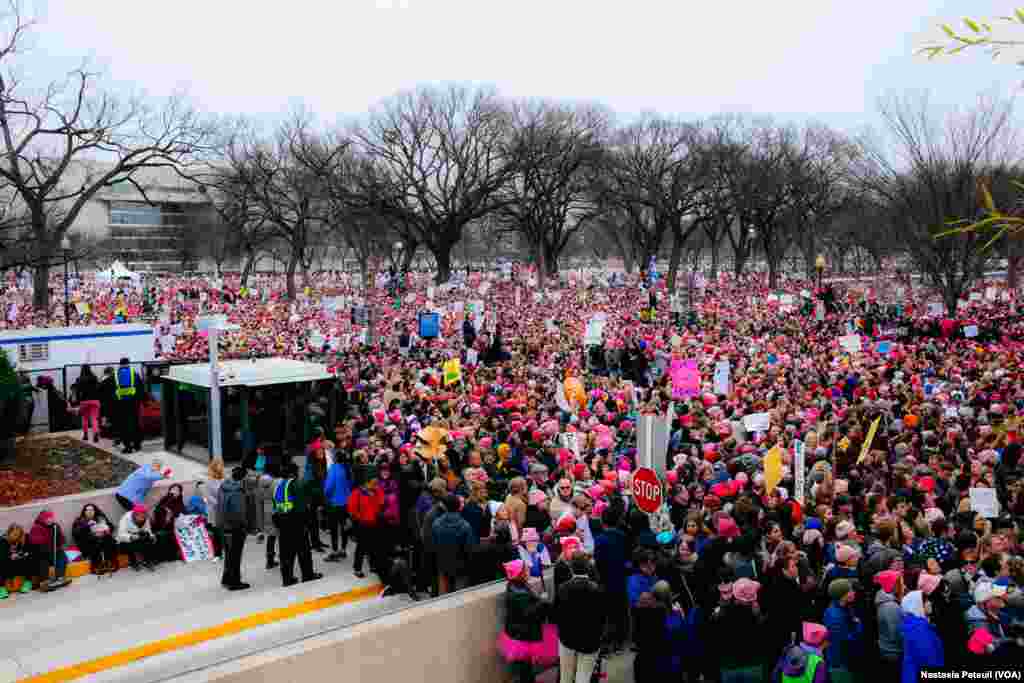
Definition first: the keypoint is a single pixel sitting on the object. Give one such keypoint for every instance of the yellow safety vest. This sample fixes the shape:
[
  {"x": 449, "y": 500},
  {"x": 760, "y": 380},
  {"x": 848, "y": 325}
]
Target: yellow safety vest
[{"x": 122, "y": 390}]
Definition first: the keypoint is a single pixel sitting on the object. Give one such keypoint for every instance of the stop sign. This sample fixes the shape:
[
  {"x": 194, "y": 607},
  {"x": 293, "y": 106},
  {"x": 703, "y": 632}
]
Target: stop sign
[{"x": 646, "y": 490}]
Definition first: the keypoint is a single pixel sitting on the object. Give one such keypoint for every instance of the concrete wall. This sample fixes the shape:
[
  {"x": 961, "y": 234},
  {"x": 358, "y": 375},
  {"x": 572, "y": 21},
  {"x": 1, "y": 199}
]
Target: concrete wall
[
  {"x": 67, "y": 508},
  {"x": 451, "y": 639}
]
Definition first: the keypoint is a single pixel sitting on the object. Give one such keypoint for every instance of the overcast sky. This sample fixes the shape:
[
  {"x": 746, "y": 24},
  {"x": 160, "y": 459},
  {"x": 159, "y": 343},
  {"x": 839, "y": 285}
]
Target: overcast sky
[{"x": 827, "y": 60}]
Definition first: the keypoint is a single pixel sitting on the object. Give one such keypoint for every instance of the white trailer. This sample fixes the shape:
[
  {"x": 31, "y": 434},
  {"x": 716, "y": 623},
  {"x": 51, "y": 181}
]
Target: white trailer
[{"x": 59, "y": 353}]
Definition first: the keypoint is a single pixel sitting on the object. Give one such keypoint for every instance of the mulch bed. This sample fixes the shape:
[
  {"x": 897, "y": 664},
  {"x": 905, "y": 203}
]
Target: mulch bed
[{"x": 46, "y": 467}]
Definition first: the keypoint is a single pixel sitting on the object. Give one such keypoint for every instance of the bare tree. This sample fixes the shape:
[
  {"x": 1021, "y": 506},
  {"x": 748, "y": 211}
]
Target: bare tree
[
  {"x": 443, "y": 163},
  {"x": 652, "y": 179},
  {"x": 49, "y": 144},
  {"x": 275, "y": 182},
  {"x": 927, "y": 176},
  {"x": 552, "y": 195}
]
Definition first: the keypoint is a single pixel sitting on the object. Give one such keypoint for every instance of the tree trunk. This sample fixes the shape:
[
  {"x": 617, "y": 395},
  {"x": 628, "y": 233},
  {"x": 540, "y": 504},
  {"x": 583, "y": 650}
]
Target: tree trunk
[
  {"x": 408, "y": 254},
  {"x": 542, "y": 267},
  {"x": 1012, "y": 261},
  {"x": 627, "y": 260},
  {"x": 550, "y": 260},
  {"x": 41, "y": 287},
  {"x": 443, "y": 257},
  {"x": 739, "y": 261},
  {"x": 247, "y": 268},
  {"x": 293, "y": 264},
  {"x": 365, "y": 275},
  {"x": 673, "y": 264},
  {"x": 773, "y": 272},
  {"x": 715, "y": 246}
]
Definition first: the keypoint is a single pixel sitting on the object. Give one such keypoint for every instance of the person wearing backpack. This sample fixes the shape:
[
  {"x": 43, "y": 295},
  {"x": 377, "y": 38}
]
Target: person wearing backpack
[{"x": 232, "y": 511}]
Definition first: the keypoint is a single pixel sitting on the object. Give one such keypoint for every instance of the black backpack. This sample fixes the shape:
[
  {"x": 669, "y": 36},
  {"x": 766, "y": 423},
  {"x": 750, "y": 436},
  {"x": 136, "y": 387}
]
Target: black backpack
[{"x": 232, "y": 512}]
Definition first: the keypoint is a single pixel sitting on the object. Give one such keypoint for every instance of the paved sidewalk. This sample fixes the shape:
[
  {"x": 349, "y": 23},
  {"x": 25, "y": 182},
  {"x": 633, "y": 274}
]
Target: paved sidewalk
[{"x": 97, "y": 617}]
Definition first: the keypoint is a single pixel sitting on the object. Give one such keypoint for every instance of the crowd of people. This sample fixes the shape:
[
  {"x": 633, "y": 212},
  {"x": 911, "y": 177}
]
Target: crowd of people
[{"x": 897, "y": 547}]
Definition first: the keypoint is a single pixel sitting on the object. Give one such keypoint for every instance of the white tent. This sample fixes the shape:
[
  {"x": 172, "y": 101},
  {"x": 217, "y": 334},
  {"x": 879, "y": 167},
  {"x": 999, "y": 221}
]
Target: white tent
[{"x": 117, "y": 271}]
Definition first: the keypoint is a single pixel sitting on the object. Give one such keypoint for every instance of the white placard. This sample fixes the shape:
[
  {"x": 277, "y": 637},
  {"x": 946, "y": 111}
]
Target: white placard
[
  {"x": 984, "y": 502},
  {"x": 799, "y": 467},
  {"x": 722, "y": 378},
  {"x": 850, "y": 342},
  {"x": 570, "y": 442},
  {"x": 758, "y": 422},
  {"x": 935, "y": 309},
  {"x": 471, "y": 357},
  {"x": 971, "y": 331},
  {"x": 193, "y": 539}
]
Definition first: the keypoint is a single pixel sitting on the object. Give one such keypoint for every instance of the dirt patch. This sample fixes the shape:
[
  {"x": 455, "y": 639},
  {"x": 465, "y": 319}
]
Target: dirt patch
[{"x": 46, "y": 467}]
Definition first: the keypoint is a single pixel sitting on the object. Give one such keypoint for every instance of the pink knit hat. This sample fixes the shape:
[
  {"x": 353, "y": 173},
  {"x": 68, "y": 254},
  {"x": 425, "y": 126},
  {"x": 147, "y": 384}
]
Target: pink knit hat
[
  {"x": 745, "y": 591},
  {"x": 814, "y": 634},
  {"x": 927, "y": 583},
  {"x": 514, "y": 569}
]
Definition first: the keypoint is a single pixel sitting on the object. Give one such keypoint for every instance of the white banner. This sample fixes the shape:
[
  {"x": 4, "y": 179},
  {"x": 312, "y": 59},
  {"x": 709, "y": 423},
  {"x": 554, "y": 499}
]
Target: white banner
[{"x": 799, "y": 467}]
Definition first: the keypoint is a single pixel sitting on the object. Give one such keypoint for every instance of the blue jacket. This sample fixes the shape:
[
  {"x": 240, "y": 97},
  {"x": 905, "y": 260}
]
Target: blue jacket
[
  {"x": 337, "y": 487},
  {"x": 844, "y": 634},
  {"x": 137, "y": 485},
  {"x": 921, "y": 647},
  {"x": 610, "y": 557},
  {"x": 639, "y": 584}
]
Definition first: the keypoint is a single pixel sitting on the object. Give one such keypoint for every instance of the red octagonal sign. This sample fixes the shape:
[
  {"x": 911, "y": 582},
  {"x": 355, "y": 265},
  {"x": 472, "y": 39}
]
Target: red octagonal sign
[{"x": 646, "y": 490}]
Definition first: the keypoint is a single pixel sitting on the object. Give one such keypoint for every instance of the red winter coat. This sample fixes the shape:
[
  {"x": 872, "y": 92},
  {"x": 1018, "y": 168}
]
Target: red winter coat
[{"x": 366, "y": 507}]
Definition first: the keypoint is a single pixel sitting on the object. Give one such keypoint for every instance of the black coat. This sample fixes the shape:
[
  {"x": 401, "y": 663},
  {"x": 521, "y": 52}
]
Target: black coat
[
  {"x": 581, "y": 615},
  {"x": 524, "y": 614}
]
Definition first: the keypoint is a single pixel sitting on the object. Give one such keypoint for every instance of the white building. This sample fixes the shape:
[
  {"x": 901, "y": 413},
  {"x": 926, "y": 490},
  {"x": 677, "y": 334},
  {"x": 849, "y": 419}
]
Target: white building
[{"x": 161, "y": 234}]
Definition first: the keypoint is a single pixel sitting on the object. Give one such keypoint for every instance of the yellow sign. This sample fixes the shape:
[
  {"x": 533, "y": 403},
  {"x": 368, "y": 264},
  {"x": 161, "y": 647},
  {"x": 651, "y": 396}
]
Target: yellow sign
[
  {"x": 772, "y": 468},
  {"x": 452, "y": 371},
  {"x": 866, "y": 448}
]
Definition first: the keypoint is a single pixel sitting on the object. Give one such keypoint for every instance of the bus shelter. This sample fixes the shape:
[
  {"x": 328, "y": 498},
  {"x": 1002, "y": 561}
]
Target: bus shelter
[{"x": 273, "y": 402}]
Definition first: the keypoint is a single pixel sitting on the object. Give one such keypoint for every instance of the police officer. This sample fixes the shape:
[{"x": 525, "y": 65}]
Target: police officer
[
  {"x": 290, "y": 520},
  {"x": 127, "y": 391}
]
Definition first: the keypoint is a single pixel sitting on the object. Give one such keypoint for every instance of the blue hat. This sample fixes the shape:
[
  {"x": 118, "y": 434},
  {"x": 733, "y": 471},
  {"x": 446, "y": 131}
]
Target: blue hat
[
  {"x": 813, "y": 523},
  {"x": 665, "y": 538}
]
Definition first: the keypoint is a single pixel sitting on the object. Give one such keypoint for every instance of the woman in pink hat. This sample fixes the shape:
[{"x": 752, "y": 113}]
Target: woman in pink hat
[{"x": 527, "y": 643}]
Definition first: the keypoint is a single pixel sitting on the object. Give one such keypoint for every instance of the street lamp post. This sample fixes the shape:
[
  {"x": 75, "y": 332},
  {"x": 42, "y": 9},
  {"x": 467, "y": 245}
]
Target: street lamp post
[
  {"x": 65, "y": 246},
  {"x": 819, "y": 265}
]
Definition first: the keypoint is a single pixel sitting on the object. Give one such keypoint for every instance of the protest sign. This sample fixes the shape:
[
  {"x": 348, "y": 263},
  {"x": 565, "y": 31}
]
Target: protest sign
[
  {"x": 722, "y": 377},
  {"x": 685, "y": 378},
  {"x": 971, "y": 331},
  {"x": 984, "y": 502},
  {"x": 799, "y": 467},
  {"x": 850, "y": 342},
  {"x": 758, "y": 422},
  {"x": 193, "y": 539}
]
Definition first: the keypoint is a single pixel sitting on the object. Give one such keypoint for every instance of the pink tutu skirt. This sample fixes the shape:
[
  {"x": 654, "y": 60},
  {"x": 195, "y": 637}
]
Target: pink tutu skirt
[{"x": 542, "y": 653}]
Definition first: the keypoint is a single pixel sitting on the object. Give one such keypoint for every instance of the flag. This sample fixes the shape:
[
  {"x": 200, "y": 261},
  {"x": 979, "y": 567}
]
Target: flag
[
  {"x": 867, "y": 442},
  {"x": 772, "y": 468}
]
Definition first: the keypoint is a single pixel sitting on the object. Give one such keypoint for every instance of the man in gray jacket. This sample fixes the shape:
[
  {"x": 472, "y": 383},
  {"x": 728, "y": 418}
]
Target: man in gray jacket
[
  {"x": 231, "y": 511},
  {"x": 890, "y": 623}
]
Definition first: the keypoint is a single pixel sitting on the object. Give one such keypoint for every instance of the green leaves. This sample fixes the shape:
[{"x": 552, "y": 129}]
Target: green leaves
[{"x": 972, "y": 24}]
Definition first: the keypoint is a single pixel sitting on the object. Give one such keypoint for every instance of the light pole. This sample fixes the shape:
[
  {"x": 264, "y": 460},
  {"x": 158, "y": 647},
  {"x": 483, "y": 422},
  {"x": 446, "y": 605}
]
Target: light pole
[
  {"x": 819, "y": 265},
  {"x": 65, "y": 246}
]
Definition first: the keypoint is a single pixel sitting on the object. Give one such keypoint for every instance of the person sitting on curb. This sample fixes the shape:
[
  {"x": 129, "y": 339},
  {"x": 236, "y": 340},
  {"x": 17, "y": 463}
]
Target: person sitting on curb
[
  {"x": 135, "y": 537},
  {"x": 15, "y": 560},
  {"x": 46, "y": 542}
]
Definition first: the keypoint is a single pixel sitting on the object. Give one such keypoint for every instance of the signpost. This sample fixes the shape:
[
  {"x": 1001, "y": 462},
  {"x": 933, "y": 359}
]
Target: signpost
[
  {"x": 646, "y": 490},
  {"x": 213, "y": 325}
]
